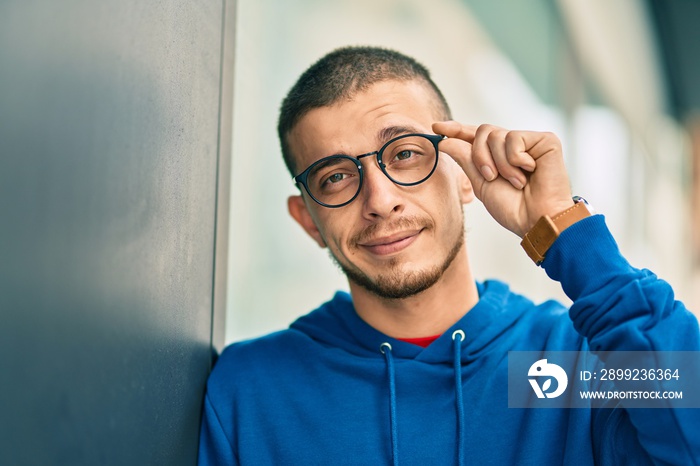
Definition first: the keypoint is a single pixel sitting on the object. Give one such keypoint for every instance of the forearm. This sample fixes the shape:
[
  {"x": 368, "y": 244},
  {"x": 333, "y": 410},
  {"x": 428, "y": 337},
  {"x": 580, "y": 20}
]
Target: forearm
[{"x": 617, "y": 307}]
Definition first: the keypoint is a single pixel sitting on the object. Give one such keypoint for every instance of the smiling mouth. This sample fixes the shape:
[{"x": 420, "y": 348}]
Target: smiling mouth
[{"x": 392, "y": 243}]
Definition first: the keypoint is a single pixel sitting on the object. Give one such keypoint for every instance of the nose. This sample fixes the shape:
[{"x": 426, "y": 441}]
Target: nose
[{"x": 380, "y": 197}]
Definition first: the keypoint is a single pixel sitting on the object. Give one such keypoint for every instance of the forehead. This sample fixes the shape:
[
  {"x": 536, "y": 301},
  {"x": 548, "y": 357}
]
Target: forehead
[{"x": 359, "y": 124}]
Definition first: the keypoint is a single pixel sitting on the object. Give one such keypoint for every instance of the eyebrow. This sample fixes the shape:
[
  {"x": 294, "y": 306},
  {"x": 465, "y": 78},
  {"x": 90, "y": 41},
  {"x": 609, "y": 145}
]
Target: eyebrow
[
  {"x": 390, "y": 132},
  {"x": 330, "y": 161},
  {"x": 385, "y": 134}
]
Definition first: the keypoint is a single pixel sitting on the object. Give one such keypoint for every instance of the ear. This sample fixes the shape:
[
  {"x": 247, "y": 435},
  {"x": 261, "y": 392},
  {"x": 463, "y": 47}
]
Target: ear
[
  {"x": 464, "y": 185},
  {"x": 298, "y": 210},
  {"x": 466, "y": 190}
]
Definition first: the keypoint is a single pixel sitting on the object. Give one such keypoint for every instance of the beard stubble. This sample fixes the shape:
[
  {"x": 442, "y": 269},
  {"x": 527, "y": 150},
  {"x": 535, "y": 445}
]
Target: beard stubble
[{"x": 396, "y": 283}]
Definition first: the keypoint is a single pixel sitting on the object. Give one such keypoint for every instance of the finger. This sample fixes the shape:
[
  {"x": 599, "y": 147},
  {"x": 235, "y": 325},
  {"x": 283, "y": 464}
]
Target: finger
[
  {"x": 522, "y": 160},
  {"x": 496, "y": 141},
  {"x": 524, "y": 145},
  {"x": 454, "y": 129},
  {"x": 461, "y": 152},
  {"x": 481, "y": 153}
]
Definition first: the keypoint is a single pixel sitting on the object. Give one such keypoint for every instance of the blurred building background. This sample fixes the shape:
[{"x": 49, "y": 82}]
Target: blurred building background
[{"x": 614, "y": 79}]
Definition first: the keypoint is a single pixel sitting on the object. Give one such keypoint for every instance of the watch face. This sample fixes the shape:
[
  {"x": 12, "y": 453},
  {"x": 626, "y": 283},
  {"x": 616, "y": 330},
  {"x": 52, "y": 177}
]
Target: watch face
[{"x": 578, "y": 199}]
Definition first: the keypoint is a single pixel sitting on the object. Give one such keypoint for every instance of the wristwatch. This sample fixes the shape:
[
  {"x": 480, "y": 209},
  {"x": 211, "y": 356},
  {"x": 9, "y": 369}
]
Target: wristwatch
[{"x": 538, "y": 240}]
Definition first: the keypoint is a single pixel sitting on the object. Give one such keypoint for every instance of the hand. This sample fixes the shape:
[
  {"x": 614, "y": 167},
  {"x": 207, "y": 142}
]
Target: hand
[{"x": 519, "y": 176}]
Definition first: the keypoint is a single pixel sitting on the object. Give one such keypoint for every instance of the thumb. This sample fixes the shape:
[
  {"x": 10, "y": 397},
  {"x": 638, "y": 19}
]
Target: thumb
[{"x": 454, "y": 129}]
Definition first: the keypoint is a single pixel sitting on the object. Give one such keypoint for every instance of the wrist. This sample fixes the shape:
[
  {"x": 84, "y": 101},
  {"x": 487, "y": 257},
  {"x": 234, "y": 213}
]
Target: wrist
[{"x": 547, "y": 229}]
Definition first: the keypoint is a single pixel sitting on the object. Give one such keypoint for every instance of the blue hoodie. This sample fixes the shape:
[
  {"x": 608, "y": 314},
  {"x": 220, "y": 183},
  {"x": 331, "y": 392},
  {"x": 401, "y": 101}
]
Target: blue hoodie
[{"x": 333, "y": 390}]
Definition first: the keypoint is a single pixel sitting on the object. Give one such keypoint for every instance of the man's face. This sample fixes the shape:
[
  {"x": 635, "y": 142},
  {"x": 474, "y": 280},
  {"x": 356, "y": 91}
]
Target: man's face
[{"x": 394, "y": 241}]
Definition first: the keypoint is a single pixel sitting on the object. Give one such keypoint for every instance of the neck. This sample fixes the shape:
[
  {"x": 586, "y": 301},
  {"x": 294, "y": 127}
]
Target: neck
[{"x": 430, "y": 312}]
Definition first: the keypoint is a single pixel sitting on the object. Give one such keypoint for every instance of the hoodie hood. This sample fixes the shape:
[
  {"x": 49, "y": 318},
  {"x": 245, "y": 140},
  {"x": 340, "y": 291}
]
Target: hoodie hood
[{"x": 337, "y": 324}]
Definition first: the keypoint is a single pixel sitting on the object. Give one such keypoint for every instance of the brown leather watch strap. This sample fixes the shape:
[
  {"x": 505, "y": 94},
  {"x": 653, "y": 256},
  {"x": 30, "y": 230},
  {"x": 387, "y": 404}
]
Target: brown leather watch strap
[{"x": 540, "y": 238}]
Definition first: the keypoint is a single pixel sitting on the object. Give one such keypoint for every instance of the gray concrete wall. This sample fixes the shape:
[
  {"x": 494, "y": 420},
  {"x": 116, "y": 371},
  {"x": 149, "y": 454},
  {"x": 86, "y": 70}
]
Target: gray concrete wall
[{"x": 114, "y": 148}]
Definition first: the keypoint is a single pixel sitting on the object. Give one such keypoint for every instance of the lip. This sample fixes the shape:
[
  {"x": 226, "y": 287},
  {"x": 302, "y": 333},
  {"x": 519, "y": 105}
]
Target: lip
[{"x": 392, "y": 243}]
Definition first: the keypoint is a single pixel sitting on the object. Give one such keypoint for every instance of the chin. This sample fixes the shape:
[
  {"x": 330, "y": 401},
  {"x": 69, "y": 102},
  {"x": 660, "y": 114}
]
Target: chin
[{"x": 402, "y": 284}]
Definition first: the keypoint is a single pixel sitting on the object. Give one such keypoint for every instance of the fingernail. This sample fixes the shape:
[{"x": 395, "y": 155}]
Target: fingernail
[
  {"x": 488, "y": 173},
  {"x": 516, "y": 182}
]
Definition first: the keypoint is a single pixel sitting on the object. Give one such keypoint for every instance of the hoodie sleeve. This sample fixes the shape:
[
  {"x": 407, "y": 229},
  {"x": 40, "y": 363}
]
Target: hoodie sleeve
[
  {"x": 214, "y": 447},
  {"x": 617, "y": 307}
]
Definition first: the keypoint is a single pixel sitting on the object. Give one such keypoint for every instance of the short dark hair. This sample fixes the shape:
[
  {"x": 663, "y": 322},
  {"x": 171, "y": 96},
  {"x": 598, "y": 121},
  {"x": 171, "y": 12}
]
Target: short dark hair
[{"x": 339, "y": 75}]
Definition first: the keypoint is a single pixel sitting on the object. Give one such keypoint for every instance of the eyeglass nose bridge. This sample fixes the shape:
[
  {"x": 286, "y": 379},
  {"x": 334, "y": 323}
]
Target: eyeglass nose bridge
[
  {"x": 380, "y": 163},
  {"x": 369, "y": 154}
]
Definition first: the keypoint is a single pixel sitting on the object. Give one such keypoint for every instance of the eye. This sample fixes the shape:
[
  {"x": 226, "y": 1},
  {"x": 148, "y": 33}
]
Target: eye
[
  {"x": 404, "y": 155},
  {"x": 336, "y": 178},
  {"x": 336, "y": 181}
]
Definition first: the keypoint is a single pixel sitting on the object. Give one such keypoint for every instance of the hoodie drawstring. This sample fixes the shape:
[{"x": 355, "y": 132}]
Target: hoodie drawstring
[
  {"x": 385, "y": 348},
  {"x": 458, "y": 338}
]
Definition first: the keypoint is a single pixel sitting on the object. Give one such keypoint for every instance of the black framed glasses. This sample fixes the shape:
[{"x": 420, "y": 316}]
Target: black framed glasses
[{"x": 406, "y": 160}]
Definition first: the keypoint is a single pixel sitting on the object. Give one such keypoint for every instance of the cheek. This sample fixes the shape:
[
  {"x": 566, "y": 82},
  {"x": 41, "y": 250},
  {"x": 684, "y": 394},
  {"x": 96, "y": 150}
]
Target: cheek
[
  {"x": 450, "y": 169},
  {"x": 334, "y": 229},
  {"x": 446, "y": 205},
  {"x": 444, "y": 184}
]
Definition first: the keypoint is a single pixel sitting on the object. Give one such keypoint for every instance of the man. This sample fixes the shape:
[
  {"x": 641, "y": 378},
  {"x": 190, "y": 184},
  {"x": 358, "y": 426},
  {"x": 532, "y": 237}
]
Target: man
[{"x": 411, "y": 367}]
